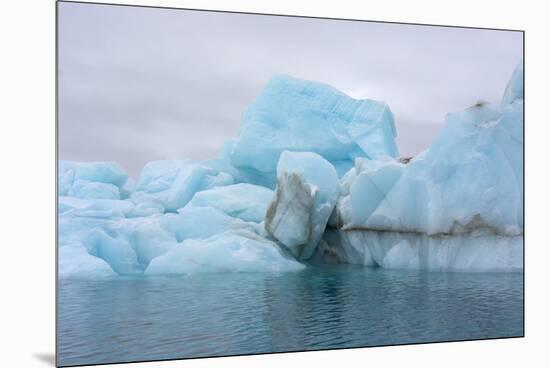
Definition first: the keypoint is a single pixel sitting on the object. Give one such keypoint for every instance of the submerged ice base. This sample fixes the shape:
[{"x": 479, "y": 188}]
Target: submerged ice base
[
  {"x": 474, "y": 252},
  {"x": 313, "y": 176}
]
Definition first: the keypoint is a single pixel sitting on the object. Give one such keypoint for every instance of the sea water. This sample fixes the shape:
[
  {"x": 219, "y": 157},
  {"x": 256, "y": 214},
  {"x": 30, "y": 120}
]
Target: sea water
[{"x": 323, "y": 307}]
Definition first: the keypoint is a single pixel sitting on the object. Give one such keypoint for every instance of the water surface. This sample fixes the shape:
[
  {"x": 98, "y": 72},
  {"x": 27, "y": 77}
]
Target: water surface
[{"x": 148, "y": 318}]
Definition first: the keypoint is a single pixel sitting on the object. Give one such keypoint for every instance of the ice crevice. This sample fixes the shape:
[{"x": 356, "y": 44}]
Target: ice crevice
[{"x": 313, "y": 176}]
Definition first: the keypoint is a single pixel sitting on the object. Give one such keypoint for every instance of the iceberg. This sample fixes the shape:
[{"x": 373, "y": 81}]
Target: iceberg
[
  {"x": 375, "y": 178},
  {"x": 458, "y": 206},
  {"x": 474, "y": 252},
  {"x": 302, "y": 116},
  {"x": 313, "y": 177},
  {"x": 471, "y": 177},
  {"x": 244, "y": 201},
  {"x": 105, "y": 208},
  {"x": 307, "y": 191},
  {"x": 98, "y": 172},
  {"x": 232, "y": 251},
  {"x": 148, "y": 237},
  {"x": 514, "y": 89},
  {"x": 89, "y": 189},
  {"x": 118, "y": 243},
  {"x": 173, "y": 183},
  {"x": 114, "y": 250},
  {"x": 77, "y": 263},
  {"x": 203, "y": 222}
]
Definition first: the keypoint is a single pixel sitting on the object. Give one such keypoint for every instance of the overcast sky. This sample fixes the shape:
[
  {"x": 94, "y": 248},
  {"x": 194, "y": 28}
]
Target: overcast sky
[{"x": 142, "y": 84}]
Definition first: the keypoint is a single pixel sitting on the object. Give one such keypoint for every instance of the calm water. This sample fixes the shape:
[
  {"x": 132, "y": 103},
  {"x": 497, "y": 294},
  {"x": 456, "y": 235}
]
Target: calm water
[{"x": 329, "y": 307}]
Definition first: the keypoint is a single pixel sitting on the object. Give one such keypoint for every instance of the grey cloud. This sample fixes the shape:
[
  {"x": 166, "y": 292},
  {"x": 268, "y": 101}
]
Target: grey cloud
[{"x": 139, "y": 84}]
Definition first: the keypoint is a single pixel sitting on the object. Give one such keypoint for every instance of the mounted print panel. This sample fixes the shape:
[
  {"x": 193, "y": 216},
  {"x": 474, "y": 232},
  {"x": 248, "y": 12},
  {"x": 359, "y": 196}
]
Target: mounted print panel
[{"x": 235, "y": 184}]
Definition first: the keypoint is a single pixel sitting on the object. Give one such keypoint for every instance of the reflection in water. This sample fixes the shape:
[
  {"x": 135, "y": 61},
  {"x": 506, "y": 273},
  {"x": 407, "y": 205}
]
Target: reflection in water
[{"x": 128, "y": 319}]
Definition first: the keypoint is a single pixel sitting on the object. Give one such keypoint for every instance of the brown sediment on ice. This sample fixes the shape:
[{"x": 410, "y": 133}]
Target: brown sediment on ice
[
  {"x": 475, "y": 226},
  {"x": 405, "y": 160},
  {"x": 292, "y": 196}
]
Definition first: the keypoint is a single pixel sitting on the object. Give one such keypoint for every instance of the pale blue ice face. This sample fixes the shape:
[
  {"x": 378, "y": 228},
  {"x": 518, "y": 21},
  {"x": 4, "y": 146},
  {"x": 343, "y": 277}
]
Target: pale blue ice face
[
  {"x": 232, "y": 200},
  {"x": 302, "y": 116}
]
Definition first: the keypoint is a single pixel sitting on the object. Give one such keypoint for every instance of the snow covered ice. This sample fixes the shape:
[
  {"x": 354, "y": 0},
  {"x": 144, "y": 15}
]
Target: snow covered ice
[{"x": 313, "y": 176}]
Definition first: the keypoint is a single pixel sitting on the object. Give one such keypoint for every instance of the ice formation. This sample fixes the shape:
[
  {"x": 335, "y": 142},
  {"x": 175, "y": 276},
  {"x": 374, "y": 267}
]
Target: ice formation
[
  {"x": 307, "y": 190},
  {"x": 457, "y": 206},
  {"x": 232, "y": 200},
  {"x": 237, "y": 250},
  {"x": 172, "y": 183},
  {"x": 101, "y": 174},
  {"x": 302, "y": 116},
  {"x": 473, "y": 252},
  {"x": 313, "y": 176}
]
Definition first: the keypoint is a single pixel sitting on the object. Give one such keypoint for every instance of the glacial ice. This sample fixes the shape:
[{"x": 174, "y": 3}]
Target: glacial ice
[
  {"x": 302, "y": 116},
  {"x": 203, "y": 222},
  {"x": 374, "y": 180},
  {"x": 514, "y": 89},
  {"x": 115, "y": 250},
  {"x": 476, "y": 252},
  {"x": 105, "y": 208},
  {"x": 457, "y": 206},
  {"x": 99, "y": 172},
  {"x": 172, "y": 183},
  {"x": 470, "y": 177},
  {"x": 232, "y": 251},
  {"x": 313, "y": 176},
  {"x": 245, "y": 201},
  {"x": 307, "y": 190},
  {"x": 118, "y": 241},
  {"x": 89, "y": 189},
  {"x": 77, "y": 263}
]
